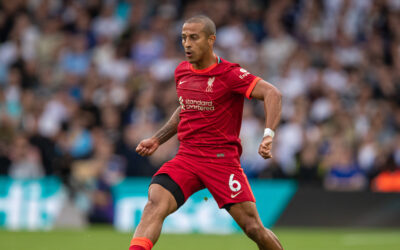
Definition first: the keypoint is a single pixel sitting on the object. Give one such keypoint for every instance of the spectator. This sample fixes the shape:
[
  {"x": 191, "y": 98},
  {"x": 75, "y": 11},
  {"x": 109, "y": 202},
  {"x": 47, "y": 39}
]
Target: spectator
[
  {"x": 342, "y": 172},
  {"x": 107, "y": 24},
  {"x": 25, "y": 159}
]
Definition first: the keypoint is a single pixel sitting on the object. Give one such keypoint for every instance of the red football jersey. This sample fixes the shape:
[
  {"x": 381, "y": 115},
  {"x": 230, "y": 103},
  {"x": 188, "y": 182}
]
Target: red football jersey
[{"x": 211, "y": 110}]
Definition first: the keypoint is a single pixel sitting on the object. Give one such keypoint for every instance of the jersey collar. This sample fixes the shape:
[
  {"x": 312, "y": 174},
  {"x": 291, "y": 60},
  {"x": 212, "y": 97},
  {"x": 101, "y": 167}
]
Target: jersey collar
[{"x": 209, "y": 68}]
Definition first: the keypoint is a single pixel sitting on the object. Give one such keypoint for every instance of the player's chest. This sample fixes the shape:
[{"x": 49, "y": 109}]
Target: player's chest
[{"x": 202, "y": 87}]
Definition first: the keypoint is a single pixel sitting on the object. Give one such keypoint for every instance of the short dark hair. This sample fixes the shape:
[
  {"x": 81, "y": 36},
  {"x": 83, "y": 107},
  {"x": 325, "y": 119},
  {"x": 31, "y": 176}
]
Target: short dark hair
[{"x": 209, "y": 26}]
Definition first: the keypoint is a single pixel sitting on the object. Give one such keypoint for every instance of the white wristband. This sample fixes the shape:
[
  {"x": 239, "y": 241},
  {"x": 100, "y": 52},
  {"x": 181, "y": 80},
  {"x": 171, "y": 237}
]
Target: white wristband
[{"x": 269, "y": 132}]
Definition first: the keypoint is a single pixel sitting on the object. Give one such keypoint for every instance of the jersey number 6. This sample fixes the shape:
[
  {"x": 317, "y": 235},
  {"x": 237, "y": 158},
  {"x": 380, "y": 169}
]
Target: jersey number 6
[{"x": 234, "y": 185}]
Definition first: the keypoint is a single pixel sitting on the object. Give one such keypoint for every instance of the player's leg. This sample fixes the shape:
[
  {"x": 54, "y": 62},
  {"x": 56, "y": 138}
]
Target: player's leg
[
  {"x": 246, "y": 215},
  {"x": 160, "y": 204},
  {"x": 231, "y": 190},
  {"x": 170, "y": 187}
]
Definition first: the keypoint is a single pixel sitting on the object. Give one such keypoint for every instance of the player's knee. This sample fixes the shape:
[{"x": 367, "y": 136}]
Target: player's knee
[
  {"x": 253, "y": 229},
  {"x": 156, "y": 208}
]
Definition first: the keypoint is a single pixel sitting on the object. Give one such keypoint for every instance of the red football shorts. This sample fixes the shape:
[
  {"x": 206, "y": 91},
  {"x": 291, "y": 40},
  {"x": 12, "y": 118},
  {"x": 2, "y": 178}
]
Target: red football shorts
[{"x": 227, "y": 184}]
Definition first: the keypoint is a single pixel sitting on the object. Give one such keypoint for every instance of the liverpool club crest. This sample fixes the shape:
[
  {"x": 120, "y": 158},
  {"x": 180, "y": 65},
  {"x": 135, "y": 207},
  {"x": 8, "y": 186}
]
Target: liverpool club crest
[{"x": 210, "y": 84}]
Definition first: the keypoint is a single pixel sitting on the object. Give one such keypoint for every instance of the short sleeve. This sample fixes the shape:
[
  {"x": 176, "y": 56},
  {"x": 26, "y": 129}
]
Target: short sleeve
[{"x": 241, "y": 81}]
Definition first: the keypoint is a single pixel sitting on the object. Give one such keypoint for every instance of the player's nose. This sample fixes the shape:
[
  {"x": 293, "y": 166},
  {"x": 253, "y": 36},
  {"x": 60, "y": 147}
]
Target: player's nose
[{"x": 187, "y": 44}]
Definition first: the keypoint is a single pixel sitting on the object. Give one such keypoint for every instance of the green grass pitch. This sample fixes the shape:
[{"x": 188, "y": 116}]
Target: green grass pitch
[{"x": 105, "y": 238}]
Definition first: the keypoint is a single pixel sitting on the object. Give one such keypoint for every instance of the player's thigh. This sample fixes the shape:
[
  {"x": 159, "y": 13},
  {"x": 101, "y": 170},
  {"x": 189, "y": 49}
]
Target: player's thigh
[
  {"x": 246, "y": 215},
  {"x": 160, "y": 201},
  {"x": 244, "y": 211},
  {"x": 178, "y": 177}
]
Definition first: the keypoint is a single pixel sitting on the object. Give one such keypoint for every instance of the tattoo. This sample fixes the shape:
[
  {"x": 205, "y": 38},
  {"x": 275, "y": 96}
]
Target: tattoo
[{"x": 169, "y": 129}]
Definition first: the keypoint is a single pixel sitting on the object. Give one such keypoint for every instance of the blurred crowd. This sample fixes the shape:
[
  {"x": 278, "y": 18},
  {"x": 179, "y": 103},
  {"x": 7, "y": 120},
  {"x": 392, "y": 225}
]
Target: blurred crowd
[{"x": 83, "y": 81}]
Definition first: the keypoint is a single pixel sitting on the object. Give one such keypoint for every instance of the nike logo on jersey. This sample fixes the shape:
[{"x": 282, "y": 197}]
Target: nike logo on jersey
[
  {"x": 234, "y": 195},
  {"x": 180, "y": 82}
]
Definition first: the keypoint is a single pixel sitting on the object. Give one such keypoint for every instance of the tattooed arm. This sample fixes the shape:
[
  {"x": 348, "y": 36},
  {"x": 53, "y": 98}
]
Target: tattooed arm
[{"x": 149, "y": 146}]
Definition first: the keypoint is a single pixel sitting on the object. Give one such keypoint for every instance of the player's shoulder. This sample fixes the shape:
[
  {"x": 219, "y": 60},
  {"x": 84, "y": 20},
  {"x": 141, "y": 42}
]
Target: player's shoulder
[
  {"x": 227, "y": 64},
  {"x": 229, "y": 68},
  {"x": 182, "y": 67}
]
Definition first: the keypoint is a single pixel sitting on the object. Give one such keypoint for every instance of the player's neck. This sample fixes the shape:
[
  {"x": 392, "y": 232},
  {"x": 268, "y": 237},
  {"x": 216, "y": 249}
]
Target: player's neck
[{"x": 206, "y": 62}]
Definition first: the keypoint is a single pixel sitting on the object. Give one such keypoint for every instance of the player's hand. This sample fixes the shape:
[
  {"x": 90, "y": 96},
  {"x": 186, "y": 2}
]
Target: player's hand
[
  {"x": 265, "y": 149},
  {"x": 147, "y": 146}
]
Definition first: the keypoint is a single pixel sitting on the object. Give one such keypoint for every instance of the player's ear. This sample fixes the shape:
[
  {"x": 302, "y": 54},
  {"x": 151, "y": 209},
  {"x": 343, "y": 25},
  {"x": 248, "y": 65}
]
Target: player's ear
[{"x": 211, "y": 40}]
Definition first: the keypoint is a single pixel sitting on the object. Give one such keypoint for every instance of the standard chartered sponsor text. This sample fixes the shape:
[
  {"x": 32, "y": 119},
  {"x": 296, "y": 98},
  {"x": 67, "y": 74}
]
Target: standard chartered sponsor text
[{"x": 199, "y": 105}]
